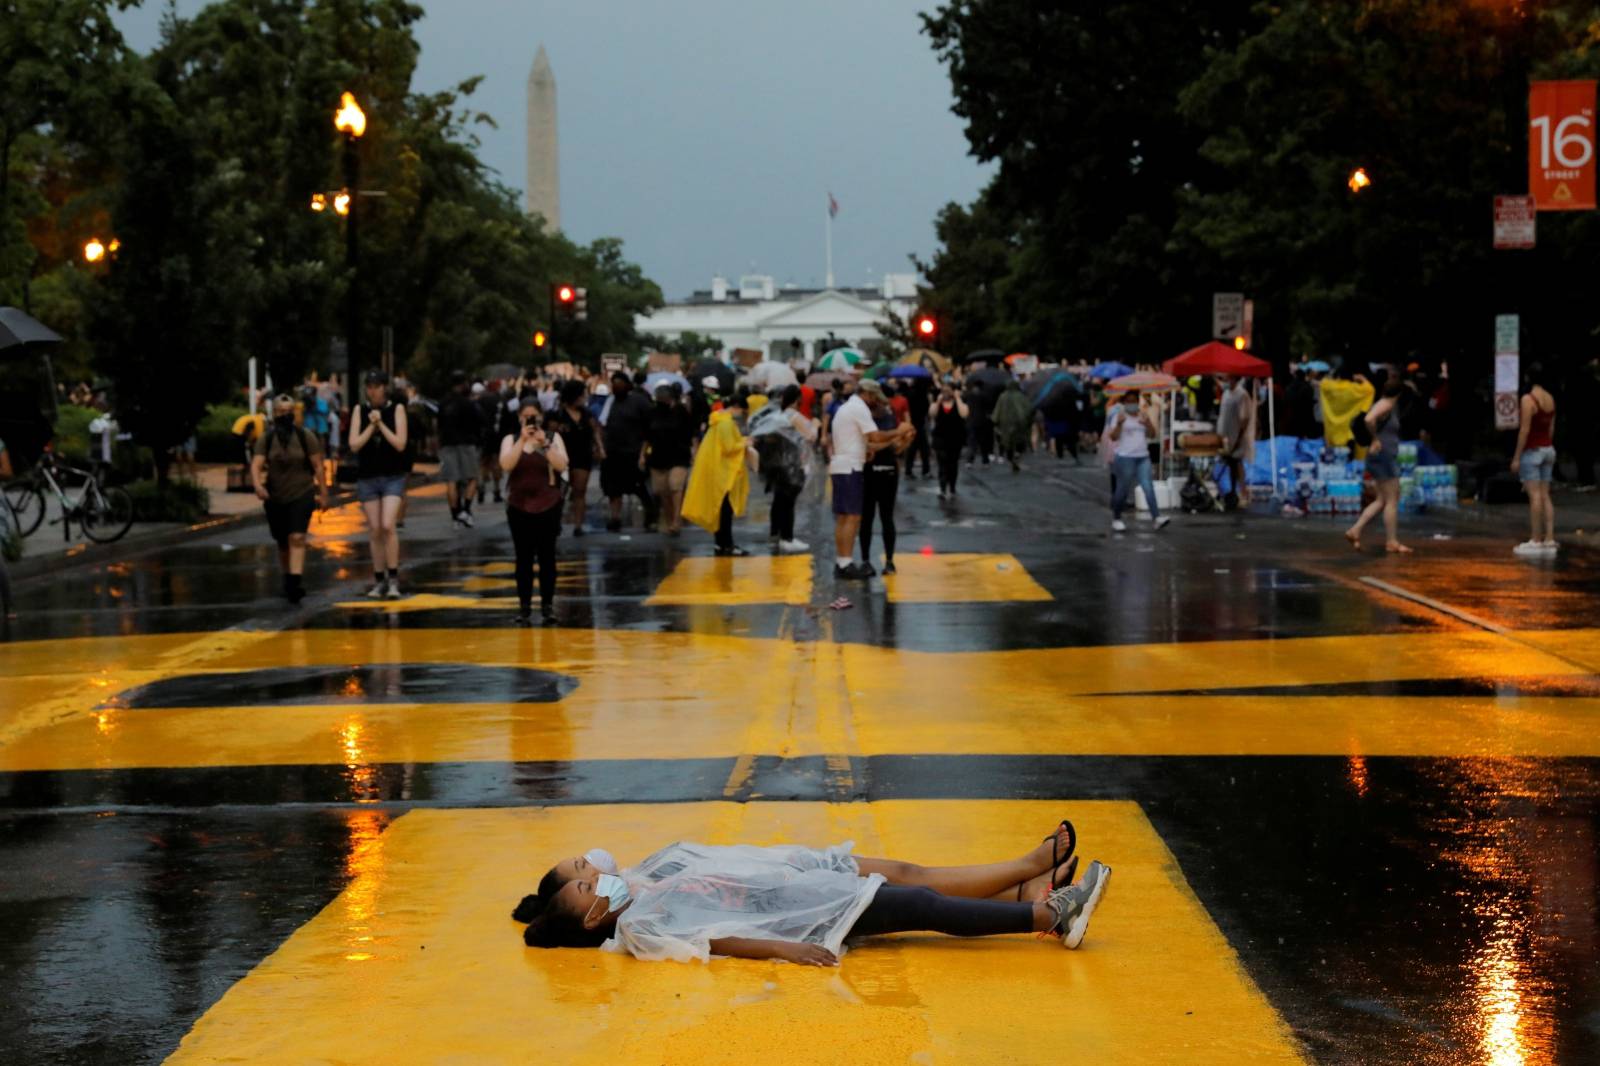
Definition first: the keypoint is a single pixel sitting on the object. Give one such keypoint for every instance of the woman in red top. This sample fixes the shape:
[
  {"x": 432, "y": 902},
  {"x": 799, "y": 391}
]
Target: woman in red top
[
  {"x": 1535, "y": 463},
  {"x": 533, "y": 464}
]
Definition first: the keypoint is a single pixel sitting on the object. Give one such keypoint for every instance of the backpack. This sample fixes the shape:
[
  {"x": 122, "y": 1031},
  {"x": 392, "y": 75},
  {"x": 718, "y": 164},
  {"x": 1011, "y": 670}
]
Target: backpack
[
  {"x": 1359, "y": 431},
  {"x": 305, "y": 450}
]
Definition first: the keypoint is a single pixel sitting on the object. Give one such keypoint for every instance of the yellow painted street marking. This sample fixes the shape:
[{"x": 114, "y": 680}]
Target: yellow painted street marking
[
  {"x": 418, "y": 960},
  {"x": 703, "y": 580},
  {"x": 961, "y": 577},
  {"x": 647, "y": 695}
]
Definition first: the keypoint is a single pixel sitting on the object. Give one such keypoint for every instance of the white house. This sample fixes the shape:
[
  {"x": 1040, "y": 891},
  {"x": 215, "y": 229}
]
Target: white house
[{"x": 759, "y": 315}]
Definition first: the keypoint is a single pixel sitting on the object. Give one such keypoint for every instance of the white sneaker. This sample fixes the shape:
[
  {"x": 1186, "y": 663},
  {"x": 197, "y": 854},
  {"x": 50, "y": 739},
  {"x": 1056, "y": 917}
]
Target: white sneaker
[
  {"x": 393, "y": 591},
  {"x": 1548, "y": 547},
  {"x": 465, "y": 518},
  {"x": 377, "y": 590},
  {"x": 1161, "y": 523},
  {"x": 1118, "y": 526},
  {"x": 1529, "y": 547},
  {"x": 793, "y": 547}
]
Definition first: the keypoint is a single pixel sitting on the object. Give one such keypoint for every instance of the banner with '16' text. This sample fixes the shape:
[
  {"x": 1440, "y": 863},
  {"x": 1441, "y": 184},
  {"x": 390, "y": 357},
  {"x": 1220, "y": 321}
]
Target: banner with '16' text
[{"x": 1561, "y": 145}]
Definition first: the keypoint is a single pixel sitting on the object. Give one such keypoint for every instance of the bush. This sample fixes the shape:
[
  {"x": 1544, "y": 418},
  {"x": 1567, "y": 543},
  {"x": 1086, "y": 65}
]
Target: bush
[
  {"x": 214, "y": 439},
  {"x": 180, "y": 501},
  {"x": 72, "y": 432}
]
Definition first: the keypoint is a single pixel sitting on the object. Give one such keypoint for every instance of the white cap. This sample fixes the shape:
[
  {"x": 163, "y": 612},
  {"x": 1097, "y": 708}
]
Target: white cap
[
  {"x": 602, "y": 389},
  {"x": 710, "y": 382},
  {"x": 477, "y": 387}
]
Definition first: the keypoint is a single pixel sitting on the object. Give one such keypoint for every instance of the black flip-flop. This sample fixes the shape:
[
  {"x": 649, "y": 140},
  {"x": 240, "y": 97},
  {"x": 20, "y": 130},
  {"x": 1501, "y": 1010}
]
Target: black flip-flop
[{"x": 1057, "y": 857}]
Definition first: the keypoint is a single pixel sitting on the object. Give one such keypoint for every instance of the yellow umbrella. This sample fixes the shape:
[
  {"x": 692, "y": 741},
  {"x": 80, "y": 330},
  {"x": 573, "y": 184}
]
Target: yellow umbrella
[
  {"x": 926, "y": 357},
  {"x": 249, "y": 426}
]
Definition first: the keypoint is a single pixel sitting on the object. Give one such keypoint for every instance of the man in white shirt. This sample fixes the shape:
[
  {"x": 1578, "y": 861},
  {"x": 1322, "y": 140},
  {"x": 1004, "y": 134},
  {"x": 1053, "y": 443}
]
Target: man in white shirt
[
  {"x": 852, "y": 429},
  {"x": 1130, "y": 428}
]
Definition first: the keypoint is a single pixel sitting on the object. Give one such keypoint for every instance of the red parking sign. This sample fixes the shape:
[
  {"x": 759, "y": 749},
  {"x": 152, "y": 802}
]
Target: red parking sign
[{"x": 1561, "y": 145}]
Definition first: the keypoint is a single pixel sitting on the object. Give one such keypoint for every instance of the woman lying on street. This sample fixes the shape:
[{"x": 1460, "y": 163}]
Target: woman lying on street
[{"x": 693, "y": 901}]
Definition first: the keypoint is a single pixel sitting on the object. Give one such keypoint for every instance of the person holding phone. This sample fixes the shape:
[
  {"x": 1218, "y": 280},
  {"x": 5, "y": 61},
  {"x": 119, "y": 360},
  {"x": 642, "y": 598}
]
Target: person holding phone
[
  {"x": 1130, "y": 428},
  {"x": 533, "y": 463}
]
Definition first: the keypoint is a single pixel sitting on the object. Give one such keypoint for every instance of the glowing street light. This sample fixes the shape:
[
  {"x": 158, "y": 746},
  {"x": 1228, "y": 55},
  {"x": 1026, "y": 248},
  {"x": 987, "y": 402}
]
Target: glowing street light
[
  {"x": 341, "y": 202},
  {"x": 1238, "y": 344},
  {"x": 93, "y": 250},
  {"x": 1358, "y": 179},
  {"x": 319, "y": 202},
  {"x": 350, "y": 120}
]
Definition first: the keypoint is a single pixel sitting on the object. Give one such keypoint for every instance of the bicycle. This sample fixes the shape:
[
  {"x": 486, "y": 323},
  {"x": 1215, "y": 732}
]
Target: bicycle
[{"x": 104, "y": 513}]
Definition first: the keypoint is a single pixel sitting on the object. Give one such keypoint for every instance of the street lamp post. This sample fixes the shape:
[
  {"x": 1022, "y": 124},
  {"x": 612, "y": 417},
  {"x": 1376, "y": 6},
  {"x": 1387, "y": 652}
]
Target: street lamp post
[{"x": 351, "y": 121}]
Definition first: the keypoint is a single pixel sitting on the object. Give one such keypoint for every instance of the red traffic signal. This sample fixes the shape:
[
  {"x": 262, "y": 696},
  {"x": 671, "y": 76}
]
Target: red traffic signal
[
  {"x": 926, "y": 327},
  {"x": 566, "y": 294}
]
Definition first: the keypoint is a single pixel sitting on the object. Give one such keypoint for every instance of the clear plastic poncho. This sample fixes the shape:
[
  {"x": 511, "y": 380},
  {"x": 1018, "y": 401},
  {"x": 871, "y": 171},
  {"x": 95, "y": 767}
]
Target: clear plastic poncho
[
  {"x": 784, "y": 453},
  {"x": 687, "y": 895}
]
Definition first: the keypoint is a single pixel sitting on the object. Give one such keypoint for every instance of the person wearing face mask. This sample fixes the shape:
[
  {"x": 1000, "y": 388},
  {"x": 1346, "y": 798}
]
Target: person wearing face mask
[
  {"x": 948, "y": 421},
  {"x": 692, "y": 901},
  {"x": 533, "y": 463},
  {"x": 1130, "y": 428},
  {"x": 284, "y": 468}
]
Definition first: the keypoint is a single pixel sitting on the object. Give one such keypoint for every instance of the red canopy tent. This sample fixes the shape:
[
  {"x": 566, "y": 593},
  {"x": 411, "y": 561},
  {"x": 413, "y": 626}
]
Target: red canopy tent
[{"x": 1214, "y": 357}]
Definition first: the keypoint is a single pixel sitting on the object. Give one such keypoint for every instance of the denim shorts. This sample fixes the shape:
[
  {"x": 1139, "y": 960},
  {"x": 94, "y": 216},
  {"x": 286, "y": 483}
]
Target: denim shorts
[
  {"x": 376, "y": 488},
  {"x": 1538, "y": 464},
  {"x": 1382, "y": 466}
]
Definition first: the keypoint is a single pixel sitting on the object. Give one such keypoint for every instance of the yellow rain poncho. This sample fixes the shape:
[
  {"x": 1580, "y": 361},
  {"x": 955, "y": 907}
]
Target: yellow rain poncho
[
  {"x": 1342, "y": 401},
  {"x": 719, "y": 470}
]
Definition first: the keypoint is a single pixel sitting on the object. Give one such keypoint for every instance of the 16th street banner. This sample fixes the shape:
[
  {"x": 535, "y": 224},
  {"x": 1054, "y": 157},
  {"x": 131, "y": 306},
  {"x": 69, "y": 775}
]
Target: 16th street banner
[{"x": 1561, "y": 138}]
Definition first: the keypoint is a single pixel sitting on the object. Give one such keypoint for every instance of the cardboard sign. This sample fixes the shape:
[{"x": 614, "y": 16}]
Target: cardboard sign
[
  {"x": 611, "y": 363},
  {"x": 1561, "y": 145},
  {"x": 1515, "y": 222}
]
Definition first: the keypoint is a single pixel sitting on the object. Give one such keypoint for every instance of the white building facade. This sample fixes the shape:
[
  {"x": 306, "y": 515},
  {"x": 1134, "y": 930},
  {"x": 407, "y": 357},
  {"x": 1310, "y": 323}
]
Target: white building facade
[{"x": 757, "y": 314}]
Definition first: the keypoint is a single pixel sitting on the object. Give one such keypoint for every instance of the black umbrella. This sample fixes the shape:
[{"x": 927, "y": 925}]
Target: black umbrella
[
  {"x": 1053, "y": 388},
  {"x": 990, "y": 381},
  {"x": 713, "y": 368},
  {"x": 985, "y": 355},
  {"x": 22, "y": 334}
]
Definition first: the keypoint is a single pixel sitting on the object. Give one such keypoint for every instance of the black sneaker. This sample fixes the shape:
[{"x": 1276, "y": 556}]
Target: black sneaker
[
  {"x": 735, "y": 551},
  {"x": 547, "y": 616},
  {"x": 525, "y": 617},
  {"x": 867, "y": 569},
  {"x": 888, "y": 568},
  {"x": 853, "y": 572}
]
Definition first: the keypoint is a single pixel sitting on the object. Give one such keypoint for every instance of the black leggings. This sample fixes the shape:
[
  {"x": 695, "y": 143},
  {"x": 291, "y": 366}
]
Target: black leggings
[
  {"x": 904, "y": 909},
  {"x": 783, "y": 498},
  {"x": 882, "y": 486},
  {"x": 949, "y": 466},
  {"x": 534, "y": 536}
]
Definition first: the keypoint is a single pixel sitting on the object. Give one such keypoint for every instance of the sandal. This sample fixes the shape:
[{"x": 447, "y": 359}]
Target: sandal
[{"x": 1058, "y": 857}]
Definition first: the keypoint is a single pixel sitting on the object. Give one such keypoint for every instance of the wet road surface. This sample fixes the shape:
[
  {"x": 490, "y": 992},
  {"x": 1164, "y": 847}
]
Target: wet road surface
[{"x": 1351, "y": 800}]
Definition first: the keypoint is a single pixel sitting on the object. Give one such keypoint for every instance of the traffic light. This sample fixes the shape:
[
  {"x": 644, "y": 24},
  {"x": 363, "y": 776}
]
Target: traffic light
[
  {"x": 541, "y": 340},
  {"x": 565, "y": 294},
  {"x": 926, "y": 327},
  {"x": 580, "y": 305}
]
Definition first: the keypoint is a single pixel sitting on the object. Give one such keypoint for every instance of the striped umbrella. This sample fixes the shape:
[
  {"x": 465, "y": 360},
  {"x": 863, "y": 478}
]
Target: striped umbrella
[
  {"x": 1143, "y": 381},
  {"x": 842, "y": 359}
]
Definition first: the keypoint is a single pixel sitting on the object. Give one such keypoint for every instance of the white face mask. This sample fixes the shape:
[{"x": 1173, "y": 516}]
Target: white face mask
[
  {"x": 601, "y": 860},
  {"x": 614, "y": 890}
]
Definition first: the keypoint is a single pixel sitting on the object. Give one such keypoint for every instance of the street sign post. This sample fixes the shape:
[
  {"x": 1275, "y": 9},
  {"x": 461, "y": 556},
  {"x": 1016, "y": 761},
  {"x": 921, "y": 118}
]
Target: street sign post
[
  {"x": 1561, "y": 145},
  {"x": 1507, "y": 369},
  {"x": 1227, "y": 315},
  {"x": 1515, "y": 222}
]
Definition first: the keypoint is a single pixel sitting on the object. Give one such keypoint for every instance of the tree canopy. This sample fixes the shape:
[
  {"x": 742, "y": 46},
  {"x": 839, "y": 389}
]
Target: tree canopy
[
  {"x": 1153, "y": 153},
  {"x": 202, "y": 158}
]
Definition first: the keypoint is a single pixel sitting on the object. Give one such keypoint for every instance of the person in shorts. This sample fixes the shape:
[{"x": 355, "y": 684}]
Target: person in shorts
[
  {"x": 378, "y": 430},
  {"x": 1535, "y": 462},
  {"x": 460, "y": 427},
  {"x": 284, "y": 469},
  {"x": 669, "y": 440},
  {"x": 852, "y": 429}
]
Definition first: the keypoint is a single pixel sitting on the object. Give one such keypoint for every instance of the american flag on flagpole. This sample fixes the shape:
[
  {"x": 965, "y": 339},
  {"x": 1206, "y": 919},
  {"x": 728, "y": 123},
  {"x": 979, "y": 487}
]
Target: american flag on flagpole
[{"x": 833, "y": 206}]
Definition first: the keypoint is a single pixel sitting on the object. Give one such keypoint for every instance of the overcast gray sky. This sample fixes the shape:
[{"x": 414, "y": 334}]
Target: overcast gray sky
[{"x": 707, "y": 133}]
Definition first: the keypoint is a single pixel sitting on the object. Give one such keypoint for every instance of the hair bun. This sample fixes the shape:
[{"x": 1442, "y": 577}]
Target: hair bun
[{"x": 529, "y": 909}]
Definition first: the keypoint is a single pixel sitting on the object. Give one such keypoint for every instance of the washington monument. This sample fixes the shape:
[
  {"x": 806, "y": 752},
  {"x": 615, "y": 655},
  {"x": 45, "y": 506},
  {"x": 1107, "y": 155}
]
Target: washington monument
[{"x": 544, "y": 172}]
